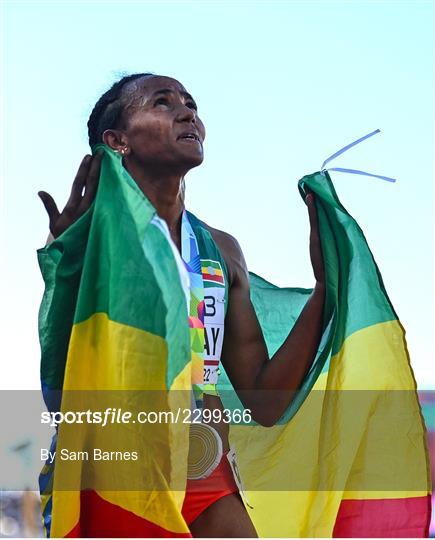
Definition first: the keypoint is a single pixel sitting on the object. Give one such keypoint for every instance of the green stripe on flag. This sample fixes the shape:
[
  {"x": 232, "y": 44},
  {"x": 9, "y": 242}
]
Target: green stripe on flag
[{"x": 114, "y": 261}]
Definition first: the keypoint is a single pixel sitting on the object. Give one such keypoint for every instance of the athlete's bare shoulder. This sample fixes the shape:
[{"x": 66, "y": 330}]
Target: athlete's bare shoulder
[{"x": 231, "y": 252}]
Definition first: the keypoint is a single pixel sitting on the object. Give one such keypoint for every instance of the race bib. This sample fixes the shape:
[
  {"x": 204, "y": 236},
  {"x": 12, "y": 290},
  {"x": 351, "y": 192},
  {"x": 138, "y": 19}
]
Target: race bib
[{"x": 214, "y": 314}]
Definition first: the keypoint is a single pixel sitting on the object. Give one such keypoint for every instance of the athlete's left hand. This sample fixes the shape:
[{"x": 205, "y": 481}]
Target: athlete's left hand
[{"x": 315, "y": 245}]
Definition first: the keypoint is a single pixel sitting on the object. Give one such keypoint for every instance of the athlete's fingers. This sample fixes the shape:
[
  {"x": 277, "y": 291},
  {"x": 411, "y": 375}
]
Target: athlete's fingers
[
  {"x": 50, "y": 206},
  {"x": 79, "y": 182},
  {"x": 315, "y": 243},
  {"x": 312, "y": 212},
  {"x": 92, "y": 181}
]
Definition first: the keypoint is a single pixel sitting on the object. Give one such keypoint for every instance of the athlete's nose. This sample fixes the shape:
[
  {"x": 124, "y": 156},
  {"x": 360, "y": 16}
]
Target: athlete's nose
[{"x": 186, "y": 114}]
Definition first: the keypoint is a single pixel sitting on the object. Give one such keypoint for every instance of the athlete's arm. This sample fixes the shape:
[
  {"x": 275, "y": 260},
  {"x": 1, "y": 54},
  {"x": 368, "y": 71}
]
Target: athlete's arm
[{"x": 267, "y": 387}]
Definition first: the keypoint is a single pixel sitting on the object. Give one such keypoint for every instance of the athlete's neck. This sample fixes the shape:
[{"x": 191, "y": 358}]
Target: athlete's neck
[{"x": 166, "y": 193}]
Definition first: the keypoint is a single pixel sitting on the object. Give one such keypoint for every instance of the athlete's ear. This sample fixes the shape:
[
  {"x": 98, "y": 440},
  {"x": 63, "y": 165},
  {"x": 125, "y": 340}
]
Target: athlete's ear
[{"x": 116, "y": 139}]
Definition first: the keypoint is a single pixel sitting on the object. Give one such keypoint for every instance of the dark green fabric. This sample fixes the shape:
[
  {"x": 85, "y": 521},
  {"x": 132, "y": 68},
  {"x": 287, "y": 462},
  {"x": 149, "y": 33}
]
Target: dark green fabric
[
  {"x": 61, "y": 264},
  {"x": 355, "y": 285}
]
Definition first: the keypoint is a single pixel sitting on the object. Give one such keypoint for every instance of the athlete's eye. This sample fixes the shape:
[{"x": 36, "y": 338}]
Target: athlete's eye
[
  {"x": 192, "y": 105},
  {"x": 161, "y": 101}
]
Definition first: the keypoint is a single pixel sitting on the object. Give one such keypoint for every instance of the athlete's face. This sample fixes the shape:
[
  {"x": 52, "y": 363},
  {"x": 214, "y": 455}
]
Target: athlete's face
[{"x": 161, "y": 128}]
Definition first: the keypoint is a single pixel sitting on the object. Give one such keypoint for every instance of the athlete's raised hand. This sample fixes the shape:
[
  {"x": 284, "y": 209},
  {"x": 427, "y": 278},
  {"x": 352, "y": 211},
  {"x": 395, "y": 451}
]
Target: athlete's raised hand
[
  {"x": 315, "y": 245},
  {"x": 82, "y": 194}
]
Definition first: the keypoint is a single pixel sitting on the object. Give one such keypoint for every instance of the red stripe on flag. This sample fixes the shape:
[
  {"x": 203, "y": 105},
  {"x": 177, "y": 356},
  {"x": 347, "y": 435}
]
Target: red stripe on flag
[
  {"x": 383, "y": 518},
  {"x": 209, "y": 277},
  {"x": 102, "y": 519}
]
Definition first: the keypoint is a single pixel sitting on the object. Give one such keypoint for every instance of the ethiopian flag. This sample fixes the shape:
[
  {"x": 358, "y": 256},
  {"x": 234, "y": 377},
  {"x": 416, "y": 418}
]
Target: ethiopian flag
[
  {"x": 212, "y": 273},
  {"x": 348, "y": 458}
]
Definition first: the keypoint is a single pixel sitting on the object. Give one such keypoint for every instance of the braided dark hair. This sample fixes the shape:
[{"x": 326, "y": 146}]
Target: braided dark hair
[{"x": 108, "y": 110}]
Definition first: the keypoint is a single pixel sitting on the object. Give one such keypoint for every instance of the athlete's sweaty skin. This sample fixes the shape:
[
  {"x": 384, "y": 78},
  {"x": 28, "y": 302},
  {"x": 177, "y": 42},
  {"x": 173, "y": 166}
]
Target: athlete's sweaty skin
[{"x": 158, "y": 159}]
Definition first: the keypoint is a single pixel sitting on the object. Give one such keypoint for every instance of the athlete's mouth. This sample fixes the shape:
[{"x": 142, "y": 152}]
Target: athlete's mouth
[{"x": 190, "y": 135}]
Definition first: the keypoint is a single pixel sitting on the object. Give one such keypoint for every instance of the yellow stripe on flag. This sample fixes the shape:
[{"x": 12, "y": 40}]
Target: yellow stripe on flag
[
  {"x": 125, "y": 368},
  {"x": 361, "y": 438},
  {"x": 373, "y": 358}
]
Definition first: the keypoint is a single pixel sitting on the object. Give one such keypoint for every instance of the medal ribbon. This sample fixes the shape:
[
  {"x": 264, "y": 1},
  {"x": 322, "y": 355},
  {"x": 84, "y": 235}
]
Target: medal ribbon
[{"x": 192, "y": 262}]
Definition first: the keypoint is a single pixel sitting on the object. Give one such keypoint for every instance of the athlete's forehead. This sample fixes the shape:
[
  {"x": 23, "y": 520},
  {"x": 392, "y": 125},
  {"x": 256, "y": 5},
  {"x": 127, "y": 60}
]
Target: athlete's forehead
[{"x": 149, "y": 86}]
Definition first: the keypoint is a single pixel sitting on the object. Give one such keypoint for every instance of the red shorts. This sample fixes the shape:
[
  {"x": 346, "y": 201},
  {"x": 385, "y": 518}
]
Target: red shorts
[{"x": 200, "y": 494}]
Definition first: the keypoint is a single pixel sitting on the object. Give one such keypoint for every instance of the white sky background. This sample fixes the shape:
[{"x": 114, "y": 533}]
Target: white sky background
[{"x": 280, "y": 87}]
